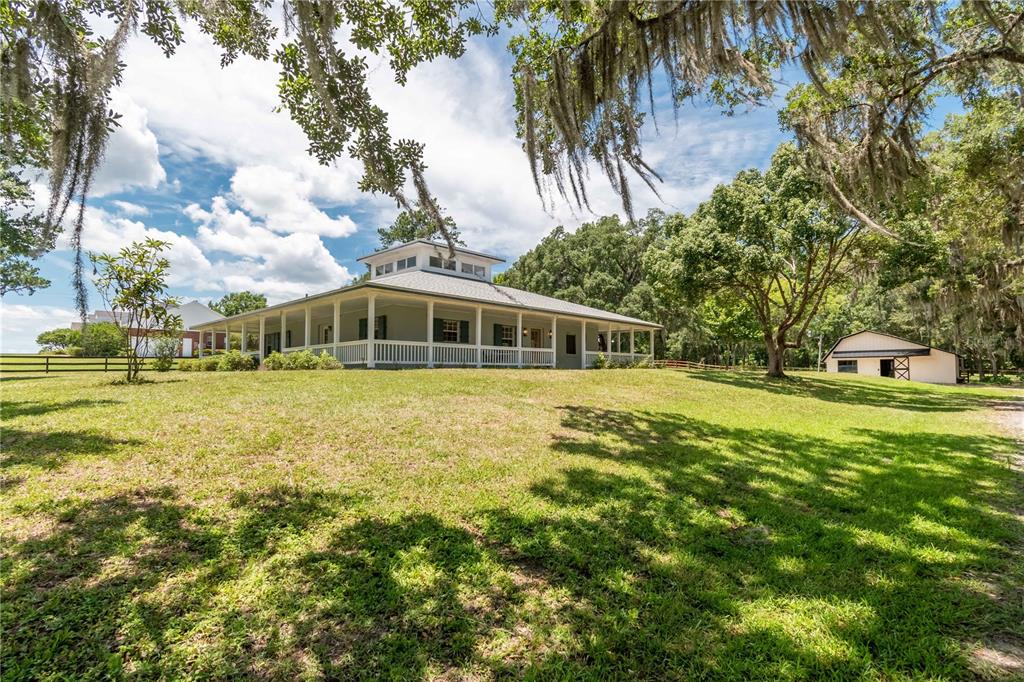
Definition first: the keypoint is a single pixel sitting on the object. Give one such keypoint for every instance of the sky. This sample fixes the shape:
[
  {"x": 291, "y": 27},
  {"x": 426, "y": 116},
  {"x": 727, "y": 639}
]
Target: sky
[{"x": 203, "y": 161}]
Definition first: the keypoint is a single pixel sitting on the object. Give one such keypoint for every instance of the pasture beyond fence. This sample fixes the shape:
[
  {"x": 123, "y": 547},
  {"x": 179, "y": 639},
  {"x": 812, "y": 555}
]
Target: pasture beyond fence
[{"x": 24, "y": 362}]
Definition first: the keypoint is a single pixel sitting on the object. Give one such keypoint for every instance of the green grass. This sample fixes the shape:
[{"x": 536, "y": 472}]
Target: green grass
[{"x": 635, "y": 524}]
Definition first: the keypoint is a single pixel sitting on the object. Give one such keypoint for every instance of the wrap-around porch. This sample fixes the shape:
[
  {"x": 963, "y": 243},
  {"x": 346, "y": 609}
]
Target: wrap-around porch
[{"x": 419, "y": 331}]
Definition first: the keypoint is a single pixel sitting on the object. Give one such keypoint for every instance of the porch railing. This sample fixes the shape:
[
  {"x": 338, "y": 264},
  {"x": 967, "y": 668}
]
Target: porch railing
[
  {"x": 621, "y": 358},
  {"x": 454, "y": 354},
  {"x": 417, "y": 354},
  {"x": 401, "y": 352}
]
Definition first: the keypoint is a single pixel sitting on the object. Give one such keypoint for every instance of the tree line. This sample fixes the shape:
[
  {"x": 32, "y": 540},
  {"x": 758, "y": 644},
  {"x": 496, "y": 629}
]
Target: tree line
[{"x": 772, "y": 269}]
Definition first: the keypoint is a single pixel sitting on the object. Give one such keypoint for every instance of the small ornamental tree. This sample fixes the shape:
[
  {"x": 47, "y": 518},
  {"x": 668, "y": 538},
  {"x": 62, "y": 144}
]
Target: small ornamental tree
[{"x": 132, "y": 284}]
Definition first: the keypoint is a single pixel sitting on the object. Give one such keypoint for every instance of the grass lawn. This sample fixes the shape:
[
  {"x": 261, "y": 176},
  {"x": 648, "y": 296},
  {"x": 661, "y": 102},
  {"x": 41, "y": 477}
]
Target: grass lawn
[{"x": 638, "y": 524}]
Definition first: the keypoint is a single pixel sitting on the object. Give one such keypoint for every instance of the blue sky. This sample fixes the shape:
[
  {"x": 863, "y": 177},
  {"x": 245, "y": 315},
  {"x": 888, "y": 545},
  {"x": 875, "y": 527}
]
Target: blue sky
[{"x": 203, "y": 160}]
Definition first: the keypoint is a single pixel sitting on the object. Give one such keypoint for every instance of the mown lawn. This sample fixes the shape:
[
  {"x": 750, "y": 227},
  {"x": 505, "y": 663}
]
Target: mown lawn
[{"x": 638, "y": 524}]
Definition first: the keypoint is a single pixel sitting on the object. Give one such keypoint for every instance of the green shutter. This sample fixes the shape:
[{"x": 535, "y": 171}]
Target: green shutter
[
  {"x": 362, "y": 328},
  {"x": 382, "y": 326},
  {"x": 463, "y": 331},
  {"x": 438, "y": 329},
  {"x": 497, "y": 336}
]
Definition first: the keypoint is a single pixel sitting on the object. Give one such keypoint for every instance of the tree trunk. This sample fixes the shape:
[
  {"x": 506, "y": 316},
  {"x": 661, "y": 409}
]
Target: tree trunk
[{"x": 776, "y": 357}]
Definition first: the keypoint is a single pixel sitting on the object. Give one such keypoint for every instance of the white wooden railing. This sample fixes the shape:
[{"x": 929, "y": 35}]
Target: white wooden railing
[
  {"x": 457, "y": 354},
  {"x": 621, "y": 358},
  {"x": 538, "y": 357},
  {"x": 401, "y": 352},
  {"x": 499, "y": 356},
  {"x": 351, "y": 352},
  {"x": 417, "y": 353}
]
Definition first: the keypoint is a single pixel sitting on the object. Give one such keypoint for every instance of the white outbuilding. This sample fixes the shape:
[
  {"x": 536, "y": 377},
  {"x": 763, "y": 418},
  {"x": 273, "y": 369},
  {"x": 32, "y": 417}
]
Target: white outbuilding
[{"x": 875, "y": 354}]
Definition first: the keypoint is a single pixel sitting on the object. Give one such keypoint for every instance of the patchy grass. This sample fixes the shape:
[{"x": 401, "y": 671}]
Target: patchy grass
[{"x": 538, "y": 524}]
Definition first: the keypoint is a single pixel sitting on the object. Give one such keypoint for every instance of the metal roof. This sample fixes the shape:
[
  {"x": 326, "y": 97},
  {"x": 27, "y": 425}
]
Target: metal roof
[
  {"x": 481, "y": 291},
  {"x": 897, "y": 353},
  {"x": 456, "y": 288},
  {"x": 872, "y": 331}
]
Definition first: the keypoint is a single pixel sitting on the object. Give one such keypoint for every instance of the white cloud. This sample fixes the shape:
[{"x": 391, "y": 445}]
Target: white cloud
[
  {"x": 279, "y": 266},
  {"x": 20, "y": 324},
  {"x": 128, "y": 209},
  {"x": 132, "y": 156},
  {"x": 283, "y": 200},
  {"x": 104, "y": 233}
]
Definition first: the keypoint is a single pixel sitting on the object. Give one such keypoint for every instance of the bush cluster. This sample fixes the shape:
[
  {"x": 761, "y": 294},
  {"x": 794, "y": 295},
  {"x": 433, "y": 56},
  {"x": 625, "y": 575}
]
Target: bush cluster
[
  {"x": 213, "y": 364},
  {"x": 302, "y": 359},
  {"x": 602, "y": 362}
]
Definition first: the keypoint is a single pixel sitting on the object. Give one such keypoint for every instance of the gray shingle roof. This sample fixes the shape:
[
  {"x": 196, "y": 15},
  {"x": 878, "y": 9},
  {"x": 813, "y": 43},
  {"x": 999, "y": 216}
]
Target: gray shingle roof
[{"x": 454, "y": 286}]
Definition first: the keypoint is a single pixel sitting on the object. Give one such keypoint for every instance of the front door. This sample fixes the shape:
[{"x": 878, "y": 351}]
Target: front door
[
  {"x": 885, "y": 368},
  {"x": 535, "y": 338}
]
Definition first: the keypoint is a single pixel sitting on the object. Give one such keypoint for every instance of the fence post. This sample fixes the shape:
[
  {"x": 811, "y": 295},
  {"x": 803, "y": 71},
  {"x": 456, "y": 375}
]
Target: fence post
[
  {"x": 47, "y": 370},
  {"x": 105, "y": 361}
]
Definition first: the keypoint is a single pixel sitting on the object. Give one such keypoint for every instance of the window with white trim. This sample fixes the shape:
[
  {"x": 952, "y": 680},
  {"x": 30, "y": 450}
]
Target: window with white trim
[
  {"x": 406, "y": 263},
  {"x": 508, "y": 335},
  {"x": 848, "y": 366},
  {"x": 471, "y": 269},
  {"x": 442, "y": 263},
  {"x": 450, "y": 331},
  {"x": 385, "y": 269}
]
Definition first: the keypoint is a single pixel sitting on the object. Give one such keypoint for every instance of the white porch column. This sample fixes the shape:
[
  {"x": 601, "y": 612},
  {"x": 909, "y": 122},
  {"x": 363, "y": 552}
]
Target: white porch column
[
  {"x": 200, "y": 343},
  {"x": 632, "y": 342},
  {"x": 608, "y": 341},
  {"x": 554, "y": 341},
  {"x": 245, "y": 339},
  {"x": 371, "y": 332},
  {"x": 227, "y": 338},
  {"x": 263, "y": 334},
  {"x": 479, "y": 339},
  {"x": 309, "y": 326},
  {"x": 336, "y": 324},
  {"x": 583, "y": 344},
  {"x": 430, "y": 333},
  {"x": 284, "y": 323},
  {"x": 519, "y": 339}
]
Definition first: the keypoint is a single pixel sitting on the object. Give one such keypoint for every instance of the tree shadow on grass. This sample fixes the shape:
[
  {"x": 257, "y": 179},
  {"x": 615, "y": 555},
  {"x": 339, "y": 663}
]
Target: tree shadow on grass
[
  {"x": 892, "y": 393},
  {"x": 12, "y": 409},
  {"x": 669, "y": 548},
  {"x": 51, "y": 449},
  {"x": 68, "y": 593},
  {"x": 753, "y": 553}
]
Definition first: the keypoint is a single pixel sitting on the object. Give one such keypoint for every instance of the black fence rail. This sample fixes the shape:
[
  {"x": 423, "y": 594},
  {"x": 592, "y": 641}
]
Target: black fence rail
[{"x": 45, "y": 364}]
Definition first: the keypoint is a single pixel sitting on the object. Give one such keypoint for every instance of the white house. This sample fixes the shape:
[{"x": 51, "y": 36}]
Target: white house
[
  {"x": 192, "y": 314},
  {"x": 431, "y": 310},
  {"x": 875, "y": 354}
]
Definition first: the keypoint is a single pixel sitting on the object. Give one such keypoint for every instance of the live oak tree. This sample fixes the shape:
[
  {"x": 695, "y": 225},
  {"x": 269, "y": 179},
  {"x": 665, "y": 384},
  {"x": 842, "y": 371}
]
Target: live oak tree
[
  {"x": 133, "y": 286},
  {"x": 418, "y": 224},
  {"x": 584, "y": 76},
  {"x": 770, "y": 239},
  {"x": 238, "y": 302},
  {"x": 58, "y": 340}
]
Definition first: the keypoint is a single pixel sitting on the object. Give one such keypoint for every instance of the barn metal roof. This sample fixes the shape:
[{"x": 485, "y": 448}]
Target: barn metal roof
[{"x": 896, "y": 353}]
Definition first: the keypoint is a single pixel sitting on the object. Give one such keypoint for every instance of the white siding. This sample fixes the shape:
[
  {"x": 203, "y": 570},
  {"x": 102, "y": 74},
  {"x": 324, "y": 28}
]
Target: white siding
[{"x": 938, "y": 367}]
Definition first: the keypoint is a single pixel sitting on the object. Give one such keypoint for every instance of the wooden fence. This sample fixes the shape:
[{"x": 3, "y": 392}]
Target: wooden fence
[
  {"x": 690, "y": 364},
  {"x": 45, "y": 364}
]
